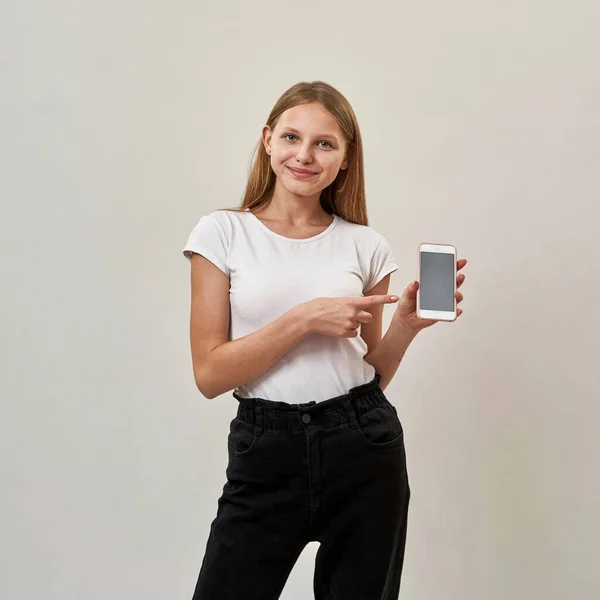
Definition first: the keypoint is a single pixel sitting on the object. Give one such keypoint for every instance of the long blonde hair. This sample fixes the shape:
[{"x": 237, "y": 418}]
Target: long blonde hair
[{"x": 345, "y": 196}]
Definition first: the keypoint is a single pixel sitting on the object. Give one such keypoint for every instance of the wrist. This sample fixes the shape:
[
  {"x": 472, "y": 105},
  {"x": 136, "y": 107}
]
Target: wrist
[
  {"x": 403, "y": 325},
  {"x": 302, "y": 318}
]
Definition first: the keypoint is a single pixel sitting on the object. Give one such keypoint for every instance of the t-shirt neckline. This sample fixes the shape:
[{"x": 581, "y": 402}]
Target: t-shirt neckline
[{"x": 295, "y": 240}]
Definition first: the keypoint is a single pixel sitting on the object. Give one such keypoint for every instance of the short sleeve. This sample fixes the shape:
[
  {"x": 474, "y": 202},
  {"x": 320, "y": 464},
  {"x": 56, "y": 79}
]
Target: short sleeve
[
  {"x": 208, "y": 239},
  {"x": 382, "y": 264}
]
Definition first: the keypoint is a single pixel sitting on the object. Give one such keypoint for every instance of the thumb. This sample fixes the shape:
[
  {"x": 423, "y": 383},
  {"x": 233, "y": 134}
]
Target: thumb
[{"x": 411, "y": 289}]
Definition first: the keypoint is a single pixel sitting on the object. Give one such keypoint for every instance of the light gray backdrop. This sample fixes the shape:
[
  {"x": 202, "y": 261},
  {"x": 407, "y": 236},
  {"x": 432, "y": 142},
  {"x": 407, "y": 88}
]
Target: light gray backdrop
[{"x": 122, "y": 122}]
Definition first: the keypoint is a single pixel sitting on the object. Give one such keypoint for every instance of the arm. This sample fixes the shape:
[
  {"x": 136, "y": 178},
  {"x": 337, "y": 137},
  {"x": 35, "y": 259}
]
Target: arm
[
  {"x": 405, "y": 326},
  {"x": 385, "y": 354},
  {"x": 388, "y": 354},
  {"x": 221, "y": 365}
]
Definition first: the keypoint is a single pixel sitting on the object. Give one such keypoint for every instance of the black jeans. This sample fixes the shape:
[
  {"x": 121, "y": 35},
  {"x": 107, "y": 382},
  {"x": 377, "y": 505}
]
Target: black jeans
[{"x": 332, "y": 472}]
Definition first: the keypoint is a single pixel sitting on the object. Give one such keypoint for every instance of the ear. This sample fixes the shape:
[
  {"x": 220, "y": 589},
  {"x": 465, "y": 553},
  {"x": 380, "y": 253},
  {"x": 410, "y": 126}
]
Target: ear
[
  {"x": 347, "y": 156},
  {"x": 266, "y": 136}
]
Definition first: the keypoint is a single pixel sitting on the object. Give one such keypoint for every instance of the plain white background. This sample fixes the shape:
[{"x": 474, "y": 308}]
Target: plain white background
[{"x": 123, "y": 122}]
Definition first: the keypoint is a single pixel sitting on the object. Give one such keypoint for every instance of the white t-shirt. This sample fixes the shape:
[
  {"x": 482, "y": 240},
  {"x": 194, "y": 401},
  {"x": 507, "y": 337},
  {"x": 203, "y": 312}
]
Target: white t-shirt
[{"x": 270, "y": 274}]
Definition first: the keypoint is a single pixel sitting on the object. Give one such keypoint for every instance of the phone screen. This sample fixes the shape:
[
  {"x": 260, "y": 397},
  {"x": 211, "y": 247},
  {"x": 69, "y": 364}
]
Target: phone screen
[{"x": 437, "y": 281}]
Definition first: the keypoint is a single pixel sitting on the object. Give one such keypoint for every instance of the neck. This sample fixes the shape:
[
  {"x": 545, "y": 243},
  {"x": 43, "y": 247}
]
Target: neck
[{"x": 294, "y": 209}]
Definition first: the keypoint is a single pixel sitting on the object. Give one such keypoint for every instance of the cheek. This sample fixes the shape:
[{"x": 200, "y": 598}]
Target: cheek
[
  {"x": 332, "y": 166},
  {"x": 280, "y": 155}
]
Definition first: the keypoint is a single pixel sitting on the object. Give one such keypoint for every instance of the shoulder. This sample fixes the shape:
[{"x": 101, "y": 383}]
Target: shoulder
[
  {"x": 213, "y": 233},
  {"x": 225, "y": 216},
  {"x": 223, "y": 220},
  {"x": 364, "y": 235}
]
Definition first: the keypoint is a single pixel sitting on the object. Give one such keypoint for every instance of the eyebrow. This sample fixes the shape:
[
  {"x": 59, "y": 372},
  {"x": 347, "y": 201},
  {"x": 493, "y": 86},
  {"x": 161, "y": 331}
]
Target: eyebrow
[{"x": 321, "y": 135}]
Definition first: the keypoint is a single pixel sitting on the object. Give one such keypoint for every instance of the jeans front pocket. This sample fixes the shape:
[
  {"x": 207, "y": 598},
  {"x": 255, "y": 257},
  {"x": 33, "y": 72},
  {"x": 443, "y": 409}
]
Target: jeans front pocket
[
  {"x": 380, "y": 427},
  {"x": 242, "y": 439}
]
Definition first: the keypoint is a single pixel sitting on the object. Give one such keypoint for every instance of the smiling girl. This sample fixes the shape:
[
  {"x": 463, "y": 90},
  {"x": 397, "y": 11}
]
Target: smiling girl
[{"x": 287, "y": 300}]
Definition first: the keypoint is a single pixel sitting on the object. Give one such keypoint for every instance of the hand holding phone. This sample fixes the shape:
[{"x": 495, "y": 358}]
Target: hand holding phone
[
  {"x": 436, "y": 296},
  {"x": 418, "y": 310}
]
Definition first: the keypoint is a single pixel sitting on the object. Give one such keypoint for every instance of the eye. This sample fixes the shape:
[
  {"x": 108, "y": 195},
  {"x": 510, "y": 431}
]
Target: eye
[
  {"x": 287, "y": 137},
  {"x": 329, "y": 145}
]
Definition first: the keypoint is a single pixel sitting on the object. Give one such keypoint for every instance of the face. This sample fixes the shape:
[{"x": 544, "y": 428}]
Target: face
[{"x": 307, "y": 149}]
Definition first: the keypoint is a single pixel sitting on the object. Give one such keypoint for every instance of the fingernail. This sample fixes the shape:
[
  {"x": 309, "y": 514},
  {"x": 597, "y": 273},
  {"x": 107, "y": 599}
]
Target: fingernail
[{"x": 394, "y": 298}]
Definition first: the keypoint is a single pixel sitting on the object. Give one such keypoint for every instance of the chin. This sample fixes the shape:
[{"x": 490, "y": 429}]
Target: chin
[{"x": 302, "y": 190}]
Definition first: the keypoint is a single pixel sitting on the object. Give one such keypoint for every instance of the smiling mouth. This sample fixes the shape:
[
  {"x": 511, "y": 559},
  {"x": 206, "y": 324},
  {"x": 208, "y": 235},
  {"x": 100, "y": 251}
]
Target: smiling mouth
[{"x": 303, "y": 172}]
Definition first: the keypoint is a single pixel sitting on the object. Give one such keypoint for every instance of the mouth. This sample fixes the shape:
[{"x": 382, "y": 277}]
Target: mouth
[{"x": 302, "y": 173}]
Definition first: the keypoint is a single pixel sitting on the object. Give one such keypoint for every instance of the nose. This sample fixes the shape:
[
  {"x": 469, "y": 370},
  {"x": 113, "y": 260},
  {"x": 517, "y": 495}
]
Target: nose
[{"x": 304, "y": 155}]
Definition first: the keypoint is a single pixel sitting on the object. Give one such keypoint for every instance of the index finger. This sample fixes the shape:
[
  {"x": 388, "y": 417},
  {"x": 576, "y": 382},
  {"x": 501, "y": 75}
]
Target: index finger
[{"x": 373, "y": 300}]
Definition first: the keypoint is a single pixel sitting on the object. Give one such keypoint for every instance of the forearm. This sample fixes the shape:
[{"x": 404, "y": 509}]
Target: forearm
[
  {"x": 388, "y": 354},
  {"x": 240, "y": 361}
]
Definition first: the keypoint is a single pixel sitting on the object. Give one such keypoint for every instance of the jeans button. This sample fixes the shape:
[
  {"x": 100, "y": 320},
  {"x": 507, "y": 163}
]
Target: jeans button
[{"x": 306, "y": 419}]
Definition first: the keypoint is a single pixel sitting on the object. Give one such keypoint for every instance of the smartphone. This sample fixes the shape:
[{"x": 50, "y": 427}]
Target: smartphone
[{"x": 437, "y": 282}]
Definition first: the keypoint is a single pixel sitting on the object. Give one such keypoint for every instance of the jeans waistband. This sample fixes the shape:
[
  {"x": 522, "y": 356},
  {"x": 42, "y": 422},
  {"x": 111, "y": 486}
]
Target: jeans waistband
[{"x": 274, "y": 414}]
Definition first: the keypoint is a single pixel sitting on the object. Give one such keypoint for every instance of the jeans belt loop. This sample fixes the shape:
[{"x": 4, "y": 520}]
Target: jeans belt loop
[
  {"x": 351, "y": 413},
  {"x": 259, "y": 425}
]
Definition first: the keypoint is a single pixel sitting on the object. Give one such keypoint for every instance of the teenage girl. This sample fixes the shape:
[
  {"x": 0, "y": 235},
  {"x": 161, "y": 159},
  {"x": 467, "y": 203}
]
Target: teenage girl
[{"x": 287, "y": 299}]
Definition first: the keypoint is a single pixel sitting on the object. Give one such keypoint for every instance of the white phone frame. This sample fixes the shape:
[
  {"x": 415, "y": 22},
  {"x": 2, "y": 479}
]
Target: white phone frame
[{"x": 437, "y": 315}]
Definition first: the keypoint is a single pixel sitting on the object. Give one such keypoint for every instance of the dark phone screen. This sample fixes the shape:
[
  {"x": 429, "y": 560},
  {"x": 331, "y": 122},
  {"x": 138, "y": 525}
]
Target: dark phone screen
[{"x": 437, "y": 281}]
